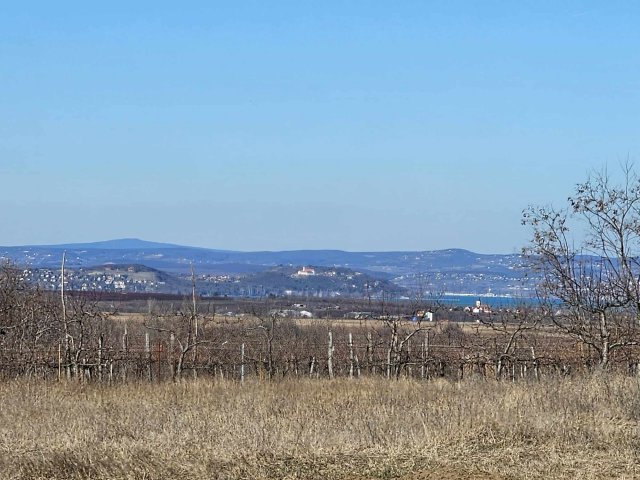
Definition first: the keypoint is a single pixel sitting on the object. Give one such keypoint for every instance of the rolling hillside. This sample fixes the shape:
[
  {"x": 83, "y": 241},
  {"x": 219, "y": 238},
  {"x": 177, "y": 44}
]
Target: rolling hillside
[{"x": 452, "y": 270}]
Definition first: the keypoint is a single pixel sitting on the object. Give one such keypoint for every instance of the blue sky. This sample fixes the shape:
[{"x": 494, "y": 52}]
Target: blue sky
[{"x": 294, "y": 125}]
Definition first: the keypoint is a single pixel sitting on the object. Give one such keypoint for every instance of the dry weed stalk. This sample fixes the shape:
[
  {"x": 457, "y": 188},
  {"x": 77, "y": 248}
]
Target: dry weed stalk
[{"x": 583, "y": 427}]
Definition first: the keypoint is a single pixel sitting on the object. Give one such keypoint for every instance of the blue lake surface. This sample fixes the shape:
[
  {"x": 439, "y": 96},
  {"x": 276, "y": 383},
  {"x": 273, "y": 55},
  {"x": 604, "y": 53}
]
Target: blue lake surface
[{"x": 493, "y": 301}]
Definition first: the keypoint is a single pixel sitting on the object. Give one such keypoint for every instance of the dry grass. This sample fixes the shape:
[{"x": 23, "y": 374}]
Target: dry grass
[{"x": 372, "y": 428}]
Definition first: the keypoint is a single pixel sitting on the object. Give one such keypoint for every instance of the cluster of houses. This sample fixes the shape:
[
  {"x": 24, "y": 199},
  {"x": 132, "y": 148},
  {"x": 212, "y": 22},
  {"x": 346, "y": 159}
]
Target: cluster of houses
[
  {"x": 297, "y": 310},
  {"x": 479, "y": 308},
  {"x": 104, "y": 281}
]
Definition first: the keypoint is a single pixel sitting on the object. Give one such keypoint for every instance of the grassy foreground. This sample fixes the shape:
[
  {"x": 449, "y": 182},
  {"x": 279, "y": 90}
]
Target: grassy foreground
[{"x": 365, "y": 429}]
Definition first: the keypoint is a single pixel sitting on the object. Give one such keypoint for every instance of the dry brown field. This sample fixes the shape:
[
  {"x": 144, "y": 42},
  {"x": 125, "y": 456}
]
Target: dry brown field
[{"x": 370, "y": 428}]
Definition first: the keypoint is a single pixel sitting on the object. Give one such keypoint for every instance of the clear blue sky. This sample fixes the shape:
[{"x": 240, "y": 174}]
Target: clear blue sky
[{"x": 289, "y": 125}]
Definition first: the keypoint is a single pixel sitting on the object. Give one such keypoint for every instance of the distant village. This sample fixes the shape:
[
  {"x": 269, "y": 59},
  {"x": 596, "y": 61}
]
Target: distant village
[
  {"x": 305, "y": 281},
  {"x": 94, "y": 281}
]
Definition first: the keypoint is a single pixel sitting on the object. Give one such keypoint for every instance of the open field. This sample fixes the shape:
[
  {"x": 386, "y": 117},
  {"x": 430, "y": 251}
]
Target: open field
[{"x": 562, "y": 427}]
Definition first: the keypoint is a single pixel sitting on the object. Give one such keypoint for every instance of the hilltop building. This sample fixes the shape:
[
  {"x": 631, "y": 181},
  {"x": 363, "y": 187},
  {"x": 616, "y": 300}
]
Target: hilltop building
[{"x": 306, "y": 272}]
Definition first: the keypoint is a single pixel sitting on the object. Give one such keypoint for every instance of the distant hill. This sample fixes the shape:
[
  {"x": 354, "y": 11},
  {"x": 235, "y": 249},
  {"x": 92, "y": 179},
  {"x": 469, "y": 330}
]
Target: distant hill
[
  {"x": 280, "y": 281},
  {"x": 117, "y": 244},
  {"x": 451, "y": 270},
  {"x": 325, "y": 281}
]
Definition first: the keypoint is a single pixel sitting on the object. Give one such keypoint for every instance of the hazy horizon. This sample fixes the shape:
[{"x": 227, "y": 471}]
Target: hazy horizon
[
  {"x": 364, "y": 126},
  {"x": 154, "y": 244}
]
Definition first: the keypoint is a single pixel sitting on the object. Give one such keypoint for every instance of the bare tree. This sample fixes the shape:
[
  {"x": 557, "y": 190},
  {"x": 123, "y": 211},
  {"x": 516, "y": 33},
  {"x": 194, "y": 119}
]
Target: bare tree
[
  {"x": 27, "y": 322},
  {"x": 593, "y": 272},
  {"x": 186, "y": 328},
  {"x": 401, "y": 331},
  {"x": 266, "y": 318},
  {"x": 512, "y": 327}
]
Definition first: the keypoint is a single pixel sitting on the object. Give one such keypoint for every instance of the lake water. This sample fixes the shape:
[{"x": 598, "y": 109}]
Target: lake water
[{"x": 493, "y": 301}]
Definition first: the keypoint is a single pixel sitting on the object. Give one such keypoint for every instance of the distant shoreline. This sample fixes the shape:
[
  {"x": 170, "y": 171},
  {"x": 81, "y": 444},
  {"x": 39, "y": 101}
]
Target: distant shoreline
[{"x": 494, "y": 300}]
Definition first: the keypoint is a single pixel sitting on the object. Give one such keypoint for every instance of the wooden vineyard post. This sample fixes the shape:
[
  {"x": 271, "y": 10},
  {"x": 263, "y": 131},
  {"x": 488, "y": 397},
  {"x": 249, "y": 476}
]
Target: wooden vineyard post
[
  {"x": 428, "y": 344},
  {"x": 427, "y": 348},
  {"x": 147, "y": 351},
  {"x": 195, "y": 323},
  {"x": 409, "y": 358},
  {"x": 67, "y": 343},
  {"x": 159, "y": 361},
  {"x": 100, "y": 347},
  {"x": 172, "y": 342},
  {"x": 422, "y": 360},
  {"x": 350, "y": 355},
  {"x": 124, "y": 354},
  {"x": 312, "y": 366},
  {"x": 536, "y": 364},
  {"x": 372, "y": 367},
  {"x": 330, "y": 350},
  {"x": 59, "y": 361},
  {"x": 242, "y": 364}
]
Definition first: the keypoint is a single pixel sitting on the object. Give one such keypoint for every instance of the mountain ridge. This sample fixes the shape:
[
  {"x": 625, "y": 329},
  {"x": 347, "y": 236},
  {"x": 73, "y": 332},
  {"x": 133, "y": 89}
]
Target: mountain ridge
[
  {"x": 451, "y": 270},
  {"x": 129, "y": 243},
  {"x": 133, "y": 243}
]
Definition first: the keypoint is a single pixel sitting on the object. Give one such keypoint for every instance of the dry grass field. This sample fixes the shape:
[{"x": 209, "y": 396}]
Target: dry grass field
[{"x": 564, "y": 428}]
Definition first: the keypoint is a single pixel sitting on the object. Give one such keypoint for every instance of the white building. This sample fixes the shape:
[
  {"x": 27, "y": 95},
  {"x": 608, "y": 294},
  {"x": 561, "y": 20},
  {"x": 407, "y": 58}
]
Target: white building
[{"x": 306, "y": 271}]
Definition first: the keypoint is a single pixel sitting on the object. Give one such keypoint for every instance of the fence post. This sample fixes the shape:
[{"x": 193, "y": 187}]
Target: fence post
[
  {"x": 159, "y": 361},
  {"x": 147, "y": 351},
  {"x": 125, "y": 354},
  {"x": 389, "y": 360},
  {"x": 428, "y": 343},
  {"x": 422, "y": 360},
  {"x": 427, "y": 351},
  {"x": 350, "y": 355},
  {"x": 536, "y": 364},
  {"x": 172, "y": 342},
  {"x": 242, "y": 365},
  {"x": 409, "y": 372},
  {"x": 330, "y": 355},
  {"x": 372, "y": 367},
  {"x": 100, "y": 346}
]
